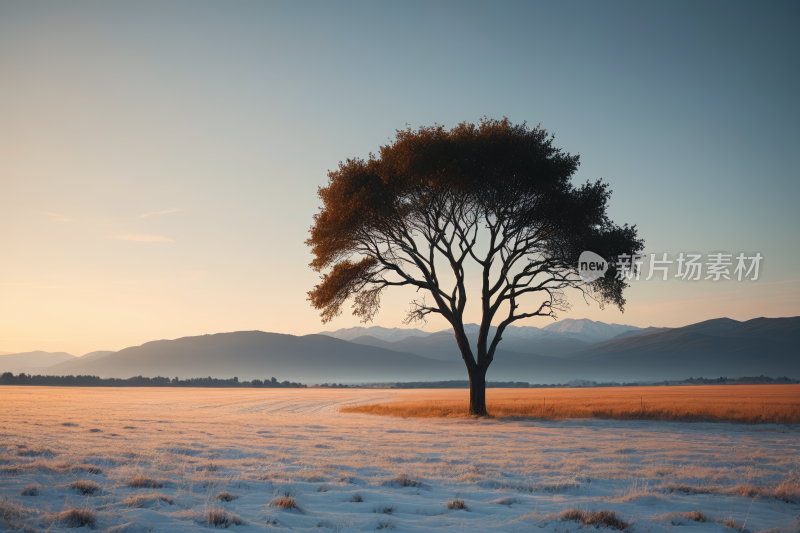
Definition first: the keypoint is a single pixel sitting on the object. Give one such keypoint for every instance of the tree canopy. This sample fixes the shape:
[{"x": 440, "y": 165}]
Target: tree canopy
[{"x": 497, "y": 194}]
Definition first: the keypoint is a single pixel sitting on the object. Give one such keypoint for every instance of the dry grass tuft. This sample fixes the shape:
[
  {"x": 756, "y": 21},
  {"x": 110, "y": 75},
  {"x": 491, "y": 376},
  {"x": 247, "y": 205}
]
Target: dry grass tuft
[
  {"x": 146, "y": 500},
  {"x": 85, "y": 487},
  {"x": 50, "y": 468},
  {"x": 787, "y": 490},
  {"x": 226, "y": 497},
  {"x": 690, "y": 489},
  {"x": 636, "y": 491},
  {"x": 679, "y": 519},
  {"x": 695, "y": 516},
  {"x": 383, "y": 509},
  {"x": 402, "y": 480},
  {"x": 747, "y": 404},
  {"x": 597, "y": 519},
  {"x": 144, "y": 482},
  {"x": 12, "y": 512},
  {"x": 322, "y": 488},
  {"x": 285, "y": 502},
  {"x": 89, "y": 469},
  {"x": 30, "y": 490},
  {"x": 24, "y": 451},
  {"x": 457, "y": 504},
  {"x": 311, "y": 478},
  {"x": 72, "y": 517},
  {"x": 357, "y": 498},
  {"x": 221, "y": 518},
  {"x": 506, "y": 501},
  {"x": 552, "y": 488},
  {"x": 730, "y": 523}
]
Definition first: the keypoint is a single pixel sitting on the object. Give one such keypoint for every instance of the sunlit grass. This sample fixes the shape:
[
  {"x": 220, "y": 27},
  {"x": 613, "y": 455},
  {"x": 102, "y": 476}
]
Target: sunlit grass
[{"x": 736, "y": 403}]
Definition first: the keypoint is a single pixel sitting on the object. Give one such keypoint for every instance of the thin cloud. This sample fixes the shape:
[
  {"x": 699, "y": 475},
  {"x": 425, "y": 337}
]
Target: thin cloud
[
  {"x": 151, "y": 213},
  {"x": 57, "y": 217},
  {"x": 143, "y": 238}
]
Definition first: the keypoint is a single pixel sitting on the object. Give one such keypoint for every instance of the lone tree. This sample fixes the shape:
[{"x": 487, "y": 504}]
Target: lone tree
[{"x": 495, "y": 194}]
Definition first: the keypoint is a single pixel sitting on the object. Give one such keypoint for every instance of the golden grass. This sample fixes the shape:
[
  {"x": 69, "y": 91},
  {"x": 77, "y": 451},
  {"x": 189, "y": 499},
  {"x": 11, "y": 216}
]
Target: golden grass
[
  {"x": 699, "y": 516},
  {"x": 226, "y": 497},
  {"x": 284, "y": 502},
  {"x": 50, "y": 468},
  {"x": 786, "y": 490},
  {"x": 218, "y": 517},
  {"x": 146, "y": 500},
  {"x": 748, "y": 404},
  {"x": 30, "y": 490},
  {"x": 72, "y": 517},
  {"x": 144, "y": 482},
  {"x": 604, "y": 519},
  {"x": 455, "y": 505},
  {"x": 85, "y": 487}
]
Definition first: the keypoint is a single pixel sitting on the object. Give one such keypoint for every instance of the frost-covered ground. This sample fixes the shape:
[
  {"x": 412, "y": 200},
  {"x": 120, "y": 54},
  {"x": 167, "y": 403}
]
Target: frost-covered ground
[{"x": 262, "y": 445}]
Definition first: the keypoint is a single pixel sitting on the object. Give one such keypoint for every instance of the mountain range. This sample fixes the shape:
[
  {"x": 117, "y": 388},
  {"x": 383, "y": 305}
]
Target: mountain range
[
  {"x": 554, "y": 354},
  {"x": 384, "y": 334},
  {"x": 582, "y": 329},
  {"x": 32, "y": 362}
]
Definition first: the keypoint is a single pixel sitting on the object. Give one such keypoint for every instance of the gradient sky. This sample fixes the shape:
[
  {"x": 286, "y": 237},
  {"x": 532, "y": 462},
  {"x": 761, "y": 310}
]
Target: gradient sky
[{"x": 159, "y": 161}]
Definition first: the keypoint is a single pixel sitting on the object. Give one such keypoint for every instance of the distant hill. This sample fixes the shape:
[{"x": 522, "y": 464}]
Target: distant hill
[
  {"x": 724, "y": 347},
  {"x": 260, "y": 355},
  {"x": 307, "y": 359},
  {"x": 554, "y": 340},
  {"x": 550, "y": 345},
  {"x": 720, "y": 347},
  {"x": 72, "y": 365},
  {"x": 636, "y": 332},
  {"x": 35, "y": 361},
  {"x": 442, "y": 345},
  {"x": 585, "y": 330}
]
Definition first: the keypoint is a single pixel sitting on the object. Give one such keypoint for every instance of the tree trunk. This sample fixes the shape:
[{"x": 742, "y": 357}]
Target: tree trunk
[{"x": 477, "y": 392}]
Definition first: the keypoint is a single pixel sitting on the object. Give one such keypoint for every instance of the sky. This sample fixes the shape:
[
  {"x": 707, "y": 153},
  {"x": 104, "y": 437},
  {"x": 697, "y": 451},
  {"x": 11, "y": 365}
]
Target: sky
[{"x": 159, "y": 161}]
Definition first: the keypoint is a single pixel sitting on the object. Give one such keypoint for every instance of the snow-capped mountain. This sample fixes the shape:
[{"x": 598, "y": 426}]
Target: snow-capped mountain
[
  {"x": 581, "y": 329},
  {"x": 385, "y": 334},
  {"x": 587, "y": 330}
]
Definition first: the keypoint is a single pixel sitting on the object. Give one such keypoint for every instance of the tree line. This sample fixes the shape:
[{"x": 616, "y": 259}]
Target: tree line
[
  {"x": 745, "y": 380},
  {"x": 460, "y": 384},
  {"x": 9, "y": 378}
]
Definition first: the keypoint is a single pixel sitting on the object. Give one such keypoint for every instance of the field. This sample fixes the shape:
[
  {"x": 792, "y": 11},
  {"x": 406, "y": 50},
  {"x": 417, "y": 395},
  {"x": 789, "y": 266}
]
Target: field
[
  {"x": 740, "y": 403},
  {"x": 154, "y": 459}
]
